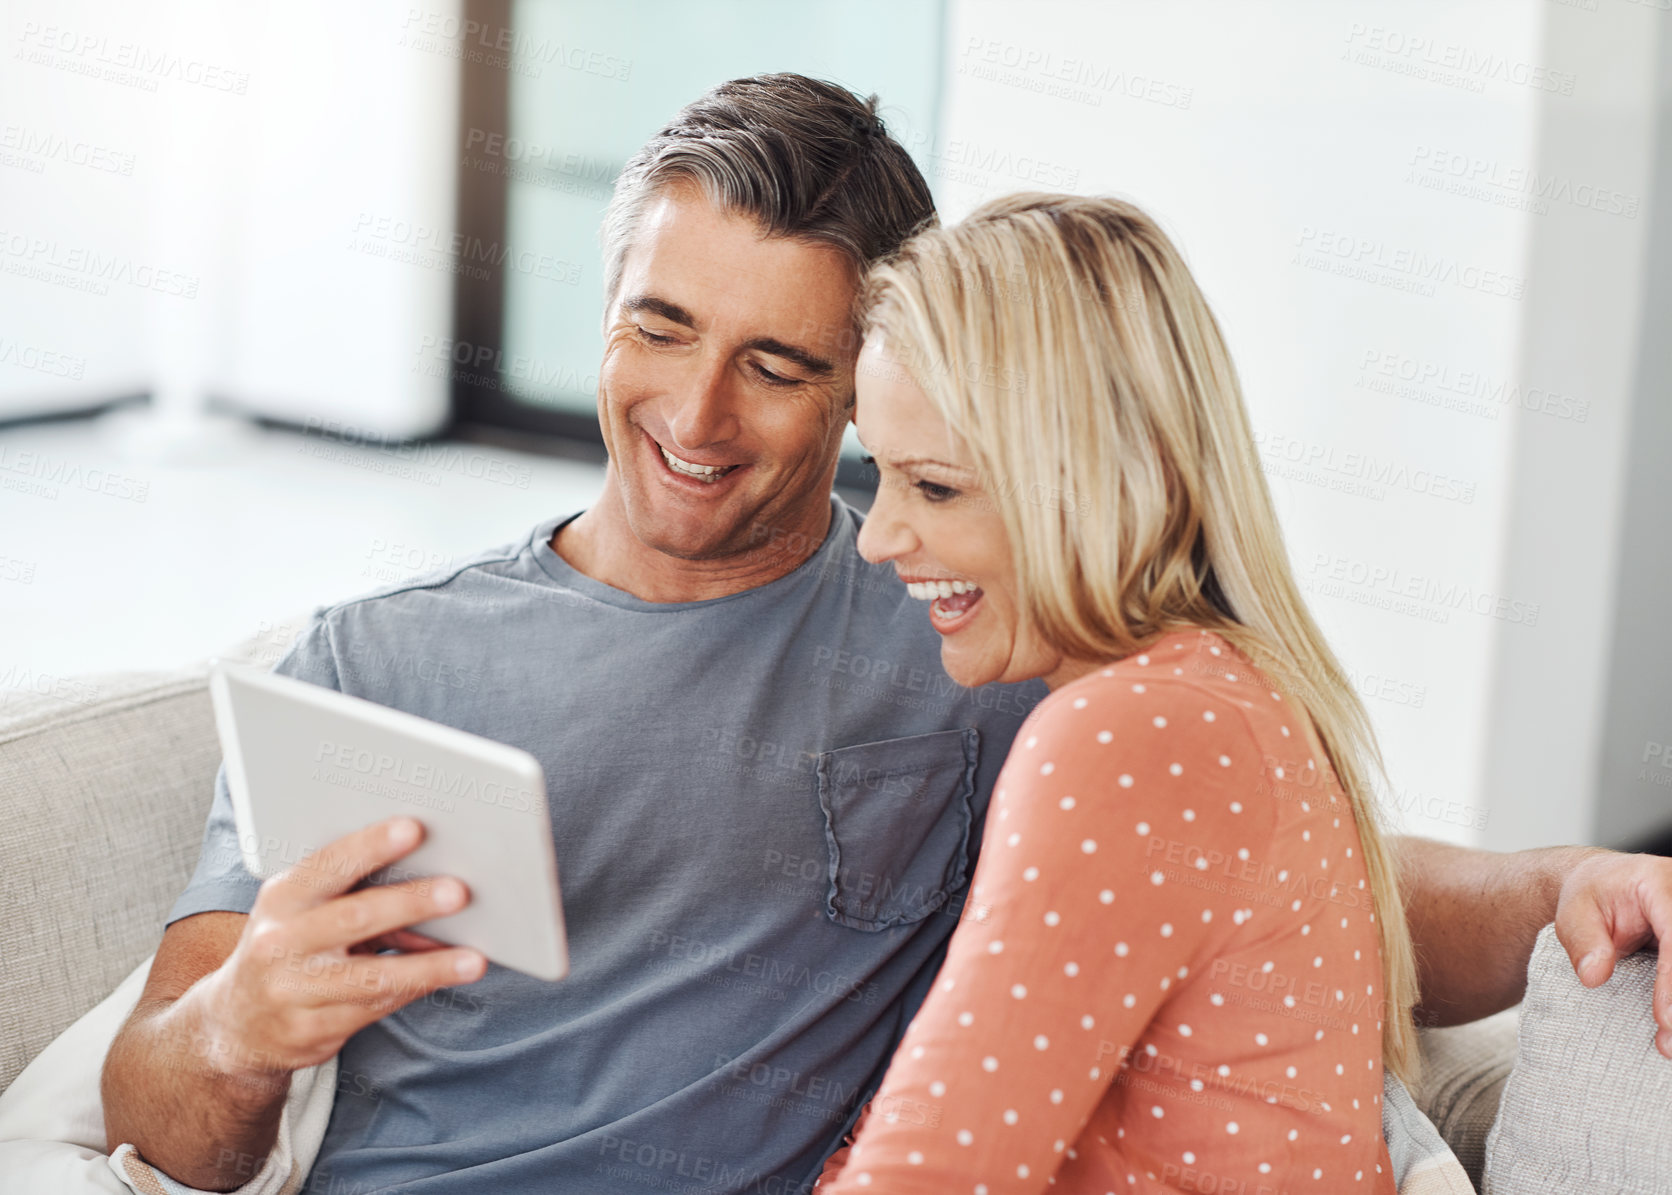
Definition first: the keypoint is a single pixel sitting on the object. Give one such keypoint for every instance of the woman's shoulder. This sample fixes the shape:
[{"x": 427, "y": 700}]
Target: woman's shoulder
[
  {"x": 1185, "y": 678},
  {"x": 1186, "y": 711}
]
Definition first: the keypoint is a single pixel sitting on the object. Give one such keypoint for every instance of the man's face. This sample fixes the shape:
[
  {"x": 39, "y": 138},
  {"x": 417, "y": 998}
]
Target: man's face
[{"x": 727, "y": 379}]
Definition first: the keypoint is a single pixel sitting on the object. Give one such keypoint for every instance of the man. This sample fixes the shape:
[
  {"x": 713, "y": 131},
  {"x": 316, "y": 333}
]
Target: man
[{"x": 765, "y": 793}]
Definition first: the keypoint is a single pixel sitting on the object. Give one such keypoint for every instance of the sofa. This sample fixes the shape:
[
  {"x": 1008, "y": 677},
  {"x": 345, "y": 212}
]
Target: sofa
[{"x": 105, "y": 783}]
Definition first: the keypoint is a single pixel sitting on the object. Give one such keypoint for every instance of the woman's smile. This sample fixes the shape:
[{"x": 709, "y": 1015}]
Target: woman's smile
[{"x": 952, "y": 603}]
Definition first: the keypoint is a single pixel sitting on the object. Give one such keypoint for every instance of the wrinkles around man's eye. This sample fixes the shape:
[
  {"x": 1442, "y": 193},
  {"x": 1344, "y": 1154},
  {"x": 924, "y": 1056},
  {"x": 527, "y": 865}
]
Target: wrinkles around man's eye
[{"x": 775, "y": 379}]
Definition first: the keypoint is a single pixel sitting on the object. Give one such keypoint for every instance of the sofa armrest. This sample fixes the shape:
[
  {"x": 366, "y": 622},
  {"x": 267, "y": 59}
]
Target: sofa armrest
[
  {"x": 1585, "y": 1107},
  {"x": 104, "y": 785}
]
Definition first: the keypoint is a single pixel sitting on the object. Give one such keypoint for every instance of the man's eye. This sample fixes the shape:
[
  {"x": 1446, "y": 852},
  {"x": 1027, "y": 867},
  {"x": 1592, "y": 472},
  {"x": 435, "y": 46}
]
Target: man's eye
[
  {"x": 936, "y": 493},
  {"x": 652, "y": 337},
  {"x": 775, "y": 379}
]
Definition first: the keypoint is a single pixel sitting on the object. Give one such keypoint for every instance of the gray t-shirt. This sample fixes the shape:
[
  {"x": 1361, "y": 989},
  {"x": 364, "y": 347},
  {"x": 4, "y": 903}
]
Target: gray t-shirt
[{"x": 765, "y": 809}]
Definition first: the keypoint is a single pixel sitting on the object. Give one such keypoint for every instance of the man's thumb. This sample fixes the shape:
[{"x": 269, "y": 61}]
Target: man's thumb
[{"x": 1589, "y": 946}]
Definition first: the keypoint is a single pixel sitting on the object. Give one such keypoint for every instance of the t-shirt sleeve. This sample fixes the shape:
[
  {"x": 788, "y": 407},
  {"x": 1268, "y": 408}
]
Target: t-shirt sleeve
[
  {"x": 1072, "y": 936},
  {"x": 221, "y": 883}
]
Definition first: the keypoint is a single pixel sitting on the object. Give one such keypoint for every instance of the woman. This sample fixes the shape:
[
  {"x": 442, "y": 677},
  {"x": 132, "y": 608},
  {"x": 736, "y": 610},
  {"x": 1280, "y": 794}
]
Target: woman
[{"x": 1183, "y": 960}]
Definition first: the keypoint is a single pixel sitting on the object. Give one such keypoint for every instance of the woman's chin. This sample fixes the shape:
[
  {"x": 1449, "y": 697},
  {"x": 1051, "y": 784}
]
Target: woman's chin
[{"x": 969, "y": 669}]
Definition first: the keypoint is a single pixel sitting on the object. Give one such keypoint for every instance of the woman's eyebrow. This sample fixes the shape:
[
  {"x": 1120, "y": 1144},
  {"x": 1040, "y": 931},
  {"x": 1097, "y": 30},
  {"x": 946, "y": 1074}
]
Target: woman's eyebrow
[{"x": 907, "y": 461}]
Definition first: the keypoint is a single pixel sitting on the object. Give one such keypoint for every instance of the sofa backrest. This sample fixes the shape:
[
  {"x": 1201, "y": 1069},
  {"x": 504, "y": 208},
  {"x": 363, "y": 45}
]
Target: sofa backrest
[{"x": 105, "y": 783}]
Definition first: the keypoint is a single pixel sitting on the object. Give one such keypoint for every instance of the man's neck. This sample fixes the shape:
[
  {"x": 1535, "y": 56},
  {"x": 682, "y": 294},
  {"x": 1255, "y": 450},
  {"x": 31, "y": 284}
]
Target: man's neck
[{"x": 600, "y": 544}]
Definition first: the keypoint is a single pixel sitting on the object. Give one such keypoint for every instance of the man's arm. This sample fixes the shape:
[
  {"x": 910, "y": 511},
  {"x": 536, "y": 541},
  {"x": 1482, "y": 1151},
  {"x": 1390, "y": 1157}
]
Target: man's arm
[
  {"x": 200, "y": 1124},
  {"x": 197, "y": 1078},
  {"x": 1474, "y": 916}
]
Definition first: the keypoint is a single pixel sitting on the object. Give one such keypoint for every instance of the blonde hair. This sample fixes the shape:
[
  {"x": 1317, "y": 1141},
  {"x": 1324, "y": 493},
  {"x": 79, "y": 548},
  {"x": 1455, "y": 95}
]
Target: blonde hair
[{"x": 1065, "y": 342}]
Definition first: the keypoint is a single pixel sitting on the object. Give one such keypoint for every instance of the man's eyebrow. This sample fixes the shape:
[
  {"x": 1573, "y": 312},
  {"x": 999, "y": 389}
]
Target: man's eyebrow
[
  {"x": 789, "y": 352},
  {"x": 661, "y": 307}
]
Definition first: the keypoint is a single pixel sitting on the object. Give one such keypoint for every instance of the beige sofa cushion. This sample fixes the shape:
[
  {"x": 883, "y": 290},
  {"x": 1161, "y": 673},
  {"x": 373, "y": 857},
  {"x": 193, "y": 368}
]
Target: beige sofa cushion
[
  {"x": 104, "y": 787},
  {"x": 1464, "y": 1069},
  {"x": 1586, "y": 1107}
]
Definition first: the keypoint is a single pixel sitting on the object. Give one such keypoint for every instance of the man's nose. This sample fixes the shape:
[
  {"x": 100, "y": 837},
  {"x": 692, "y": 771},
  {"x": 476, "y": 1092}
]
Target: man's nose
[{"x": 702, "y": 413}]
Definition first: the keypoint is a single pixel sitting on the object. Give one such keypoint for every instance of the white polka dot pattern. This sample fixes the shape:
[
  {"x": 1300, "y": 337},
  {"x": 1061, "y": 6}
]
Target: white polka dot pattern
[{"x": 1176, "y": 922}]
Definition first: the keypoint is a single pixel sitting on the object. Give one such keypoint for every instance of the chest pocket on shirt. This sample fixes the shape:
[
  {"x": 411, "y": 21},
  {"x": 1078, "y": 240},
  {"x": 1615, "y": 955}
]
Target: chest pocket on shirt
[{"x": 897, "y": 821}]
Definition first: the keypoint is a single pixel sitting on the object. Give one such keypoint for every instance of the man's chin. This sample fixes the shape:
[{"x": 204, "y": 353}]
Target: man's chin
[
  {"x": 686, "y": 535},
  {"x": 695, "y": 544}
]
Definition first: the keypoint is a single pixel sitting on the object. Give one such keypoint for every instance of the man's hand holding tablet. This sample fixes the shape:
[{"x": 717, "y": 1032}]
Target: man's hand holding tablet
[
  {"x": 310, "y": 772},
  {"x": 308, "y": 768},
  {"x": 358, "y": 913},
  {"x": 304, "y": 977}
]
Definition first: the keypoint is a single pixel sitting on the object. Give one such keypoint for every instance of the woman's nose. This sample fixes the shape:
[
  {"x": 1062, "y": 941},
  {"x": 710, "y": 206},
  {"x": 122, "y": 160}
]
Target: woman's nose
[{"x": 885, "y": 535}]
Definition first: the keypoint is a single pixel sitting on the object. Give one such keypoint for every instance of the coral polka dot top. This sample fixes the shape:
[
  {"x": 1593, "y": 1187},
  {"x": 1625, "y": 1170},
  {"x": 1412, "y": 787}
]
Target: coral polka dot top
[{"x": 1167, "y": 975}]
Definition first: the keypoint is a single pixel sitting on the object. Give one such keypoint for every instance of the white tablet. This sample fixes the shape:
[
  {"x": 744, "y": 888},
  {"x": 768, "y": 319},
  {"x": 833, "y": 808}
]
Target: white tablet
[{"x": 306, "y": 765}]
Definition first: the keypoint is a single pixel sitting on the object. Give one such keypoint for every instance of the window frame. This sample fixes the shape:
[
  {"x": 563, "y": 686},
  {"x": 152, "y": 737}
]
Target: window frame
[{"x": 486, "y": 413}]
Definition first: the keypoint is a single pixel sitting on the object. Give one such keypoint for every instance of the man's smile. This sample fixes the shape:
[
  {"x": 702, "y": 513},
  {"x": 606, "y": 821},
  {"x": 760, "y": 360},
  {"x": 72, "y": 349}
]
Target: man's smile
[
  {"x": 692, "y": 469},
  {"x": 693, "y": 475}
]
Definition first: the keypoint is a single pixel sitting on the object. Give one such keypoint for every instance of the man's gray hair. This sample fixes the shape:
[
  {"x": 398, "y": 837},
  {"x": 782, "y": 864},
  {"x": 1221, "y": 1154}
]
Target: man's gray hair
[{"x": 806, "y": 158}]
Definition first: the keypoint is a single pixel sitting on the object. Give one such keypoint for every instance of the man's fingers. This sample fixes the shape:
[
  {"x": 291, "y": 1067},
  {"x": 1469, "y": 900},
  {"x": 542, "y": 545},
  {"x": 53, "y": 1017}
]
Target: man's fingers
[
  {"x": 332, "y": 997},
  {"x": 341, "y": 864},
  {"x": 406, "y": 940},
  {"x": 375, "y": 911},
  {"x": 1653, "y": 893},
  {"x": 1612, "y": 905},
  {"x": 377, "y": 987},
  {"x": 1586, "y": 933},
  {"x": 1663, "y": 999}
]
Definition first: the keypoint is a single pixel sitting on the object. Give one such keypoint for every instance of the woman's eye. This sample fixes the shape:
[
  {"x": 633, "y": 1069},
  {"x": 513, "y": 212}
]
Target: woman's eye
[{"x": 936, "y": 493}]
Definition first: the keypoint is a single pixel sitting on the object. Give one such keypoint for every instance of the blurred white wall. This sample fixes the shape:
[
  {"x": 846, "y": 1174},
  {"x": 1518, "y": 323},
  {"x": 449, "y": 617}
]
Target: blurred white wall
[
  {"x": 1437, "y": 236},
  {"x": 1590, "y": 319},
  {"x": 1421, "y": 226},
  {"x": 265, "y": 188}
]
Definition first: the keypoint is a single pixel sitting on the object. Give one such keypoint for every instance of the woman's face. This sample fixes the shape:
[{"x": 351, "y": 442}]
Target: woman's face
[{"x": 934, "y": 520}]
